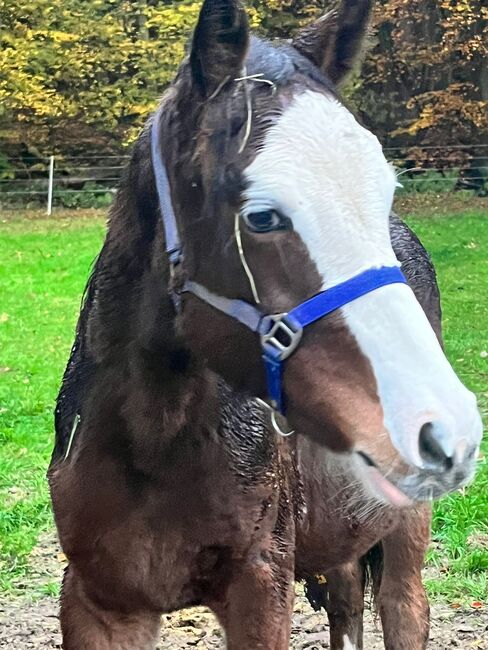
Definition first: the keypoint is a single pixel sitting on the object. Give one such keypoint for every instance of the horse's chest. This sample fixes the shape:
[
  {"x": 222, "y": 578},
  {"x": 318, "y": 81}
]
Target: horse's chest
[{"x": 163, "y": 546}]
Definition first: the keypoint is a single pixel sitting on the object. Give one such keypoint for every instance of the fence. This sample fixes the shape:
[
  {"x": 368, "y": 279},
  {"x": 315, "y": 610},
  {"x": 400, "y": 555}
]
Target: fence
[
  {"x": 54, "y": 180},
  {"x": 90, "y": 181}
]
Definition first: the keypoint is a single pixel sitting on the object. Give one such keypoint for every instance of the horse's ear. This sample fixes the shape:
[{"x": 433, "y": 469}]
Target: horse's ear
[
  {"x": 219, "y": 44},
  {"x": 334, "y": 41}
]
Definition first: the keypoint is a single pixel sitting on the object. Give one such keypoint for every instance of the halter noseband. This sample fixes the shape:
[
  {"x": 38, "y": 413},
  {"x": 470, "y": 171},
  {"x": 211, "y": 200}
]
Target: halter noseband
[{"x": 280, "y": 334}]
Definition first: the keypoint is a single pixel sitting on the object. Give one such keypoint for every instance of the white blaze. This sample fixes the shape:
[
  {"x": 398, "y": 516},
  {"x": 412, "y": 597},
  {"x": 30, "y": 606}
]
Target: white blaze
[{"x": 328, "y": 174}]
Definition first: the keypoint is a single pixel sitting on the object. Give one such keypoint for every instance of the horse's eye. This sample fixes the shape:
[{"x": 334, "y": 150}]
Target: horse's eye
[{"x": 266, "y": 221}]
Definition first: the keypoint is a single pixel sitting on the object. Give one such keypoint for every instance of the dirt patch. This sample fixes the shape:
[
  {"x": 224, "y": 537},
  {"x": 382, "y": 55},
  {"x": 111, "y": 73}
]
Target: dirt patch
[{"x": 26, "y": 625}]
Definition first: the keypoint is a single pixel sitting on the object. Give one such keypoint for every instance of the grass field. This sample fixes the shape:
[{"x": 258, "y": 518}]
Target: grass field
[{"x": 44, "y": 264}]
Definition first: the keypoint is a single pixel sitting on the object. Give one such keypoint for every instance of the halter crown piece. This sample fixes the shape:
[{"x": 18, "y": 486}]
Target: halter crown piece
[{"x": 280, "y": 334}]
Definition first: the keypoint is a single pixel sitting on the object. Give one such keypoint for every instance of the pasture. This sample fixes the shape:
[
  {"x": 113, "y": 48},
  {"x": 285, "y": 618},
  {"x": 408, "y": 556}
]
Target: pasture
[{"x": 44, "y": 264}]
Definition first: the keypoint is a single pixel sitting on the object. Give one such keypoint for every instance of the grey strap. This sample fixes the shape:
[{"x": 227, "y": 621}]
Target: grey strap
[
  {"x": 242, "y": 311},
  {"x": 173, "y": 244}
]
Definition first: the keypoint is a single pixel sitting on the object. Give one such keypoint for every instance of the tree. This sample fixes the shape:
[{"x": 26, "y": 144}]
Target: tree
[
  {"x": 86, "y": 74},
  {"x": 425, "y": 82},
  {"x": 79, "y": 76}
]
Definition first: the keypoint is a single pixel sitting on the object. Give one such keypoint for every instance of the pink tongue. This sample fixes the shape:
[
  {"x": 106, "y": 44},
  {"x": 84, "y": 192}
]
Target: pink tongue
[{"x": 387, "y": 490}]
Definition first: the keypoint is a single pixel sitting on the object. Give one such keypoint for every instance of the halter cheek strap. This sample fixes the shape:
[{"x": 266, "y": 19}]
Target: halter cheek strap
[
  {"x": 280, "y": 334},
  {"x": 171, "y": 236}
]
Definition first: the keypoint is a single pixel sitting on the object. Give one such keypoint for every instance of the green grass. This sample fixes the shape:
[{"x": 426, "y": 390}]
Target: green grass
[
  {"x": 459, "y": 246},
  {"x": 44, "y": 264},
  {"x": 43, "y": 269}
]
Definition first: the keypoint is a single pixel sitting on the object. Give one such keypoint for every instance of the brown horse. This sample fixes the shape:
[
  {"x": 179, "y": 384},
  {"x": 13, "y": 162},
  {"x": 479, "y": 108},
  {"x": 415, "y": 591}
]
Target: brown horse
[{"x": 170, "y": 484}]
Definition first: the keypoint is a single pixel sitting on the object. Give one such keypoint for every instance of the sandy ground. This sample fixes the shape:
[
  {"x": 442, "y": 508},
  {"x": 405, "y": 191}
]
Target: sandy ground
[{"x": 26, "y": 625}]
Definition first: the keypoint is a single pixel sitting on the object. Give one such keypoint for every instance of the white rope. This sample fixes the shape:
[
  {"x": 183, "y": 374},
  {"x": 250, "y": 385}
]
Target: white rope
[
  {"x": 258, "y": 78},
  {"x": 218, "y": 89},
  {"x": 250, "y": 277},
  {"x": 76, "y": 422},
  {"x": 247, "y": 131}
]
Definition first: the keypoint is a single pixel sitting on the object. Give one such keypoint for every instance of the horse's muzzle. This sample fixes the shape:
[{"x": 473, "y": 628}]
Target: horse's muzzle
[{"x": 418, "y": 485}]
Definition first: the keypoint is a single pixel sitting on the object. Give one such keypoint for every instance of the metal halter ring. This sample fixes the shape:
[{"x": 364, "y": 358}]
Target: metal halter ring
[
  {"x": 275, "y": 416},
  {"x": 283, "y": 336}
]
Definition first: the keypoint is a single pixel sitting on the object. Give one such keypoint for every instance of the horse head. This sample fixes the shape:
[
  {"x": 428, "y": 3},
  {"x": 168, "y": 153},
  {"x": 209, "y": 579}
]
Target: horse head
[{"x": 279, "y": 196}]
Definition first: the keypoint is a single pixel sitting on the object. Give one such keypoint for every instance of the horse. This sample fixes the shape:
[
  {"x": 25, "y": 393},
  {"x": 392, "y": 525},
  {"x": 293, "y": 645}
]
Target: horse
[{"x": 255, "y": 392}]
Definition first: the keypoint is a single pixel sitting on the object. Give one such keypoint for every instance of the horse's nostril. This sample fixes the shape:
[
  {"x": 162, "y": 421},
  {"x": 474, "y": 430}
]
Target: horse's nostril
[{"x": 434, "y": 446}]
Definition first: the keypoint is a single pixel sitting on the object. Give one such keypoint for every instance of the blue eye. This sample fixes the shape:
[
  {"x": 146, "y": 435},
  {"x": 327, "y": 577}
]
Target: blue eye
[{"x": 266, "y": 221}]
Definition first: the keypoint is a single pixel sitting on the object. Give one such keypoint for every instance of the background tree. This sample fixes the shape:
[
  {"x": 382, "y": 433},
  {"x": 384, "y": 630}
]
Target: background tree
[
  {"x": 83, "y": 76},
  {"x": 85, "y": 73},
  {"x": 425, "y": 81}
]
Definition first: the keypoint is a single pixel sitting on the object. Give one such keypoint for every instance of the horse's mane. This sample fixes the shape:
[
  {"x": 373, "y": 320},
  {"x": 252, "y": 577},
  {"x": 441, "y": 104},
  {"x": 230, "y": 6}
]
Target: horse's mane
[
  {"x": 123, "y": 217},
  {"x": 78, "y": 368}
]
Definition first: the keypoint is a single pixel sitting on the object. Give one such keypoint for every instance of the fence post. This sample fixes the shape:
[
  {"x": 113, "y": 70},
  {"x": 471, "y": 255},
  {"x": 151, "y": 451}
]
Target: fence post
[{"x": 50, "y": 186}]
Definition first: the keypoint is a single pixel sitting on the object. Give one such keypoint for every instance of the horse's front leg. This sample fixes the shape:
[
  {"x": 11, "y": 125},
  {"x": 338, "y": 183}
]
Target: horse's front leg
[
  {"x": 341, "y": 594},
  {"x": 87, "y": 625},
  {"x": 256, "y": 609},
  {"x": 403, "y": 604}
]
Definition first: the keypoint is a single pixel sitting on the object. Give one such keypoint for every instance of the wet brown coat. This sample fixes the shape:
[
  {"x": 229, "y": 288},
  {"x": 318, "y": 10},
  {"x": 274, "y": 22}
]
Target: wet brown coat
[{"x": 176, "y": 491}]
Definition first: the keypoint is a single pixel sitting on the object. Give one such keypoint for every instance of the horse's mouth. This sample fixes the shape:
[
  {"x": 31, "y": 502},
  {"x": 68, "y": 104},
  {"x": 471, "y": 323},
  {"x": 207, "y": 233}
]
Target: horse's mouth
[
  {"x": 382, "y": 488},
  {"x": 416, "y": 487}
]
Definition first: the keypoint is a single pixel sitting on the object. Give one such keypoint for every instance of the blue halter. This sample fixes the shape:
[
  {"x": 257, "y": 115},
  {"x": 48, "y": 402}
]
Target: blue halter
[{"x": 280, "y": 333}]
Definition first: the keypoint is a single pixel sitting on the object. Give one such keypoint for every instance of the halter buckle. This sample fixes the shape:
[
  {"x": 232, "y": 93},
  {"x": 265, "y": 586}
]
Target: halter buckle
[{"x": 282, "y": 337}]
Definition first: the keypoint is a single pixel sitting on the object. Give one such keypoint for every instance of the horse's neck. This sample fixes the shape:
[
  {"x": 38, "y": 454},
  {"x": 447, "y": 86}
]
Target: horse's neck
[{"x": 142, "y": 371}]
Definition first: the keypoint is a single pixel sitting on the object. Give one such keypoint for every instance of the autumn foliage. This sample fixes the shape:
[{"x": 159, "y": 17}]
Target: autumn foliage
[
  {"x": 85, "y": 75},
  {"x": 425, "y": 81}
]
